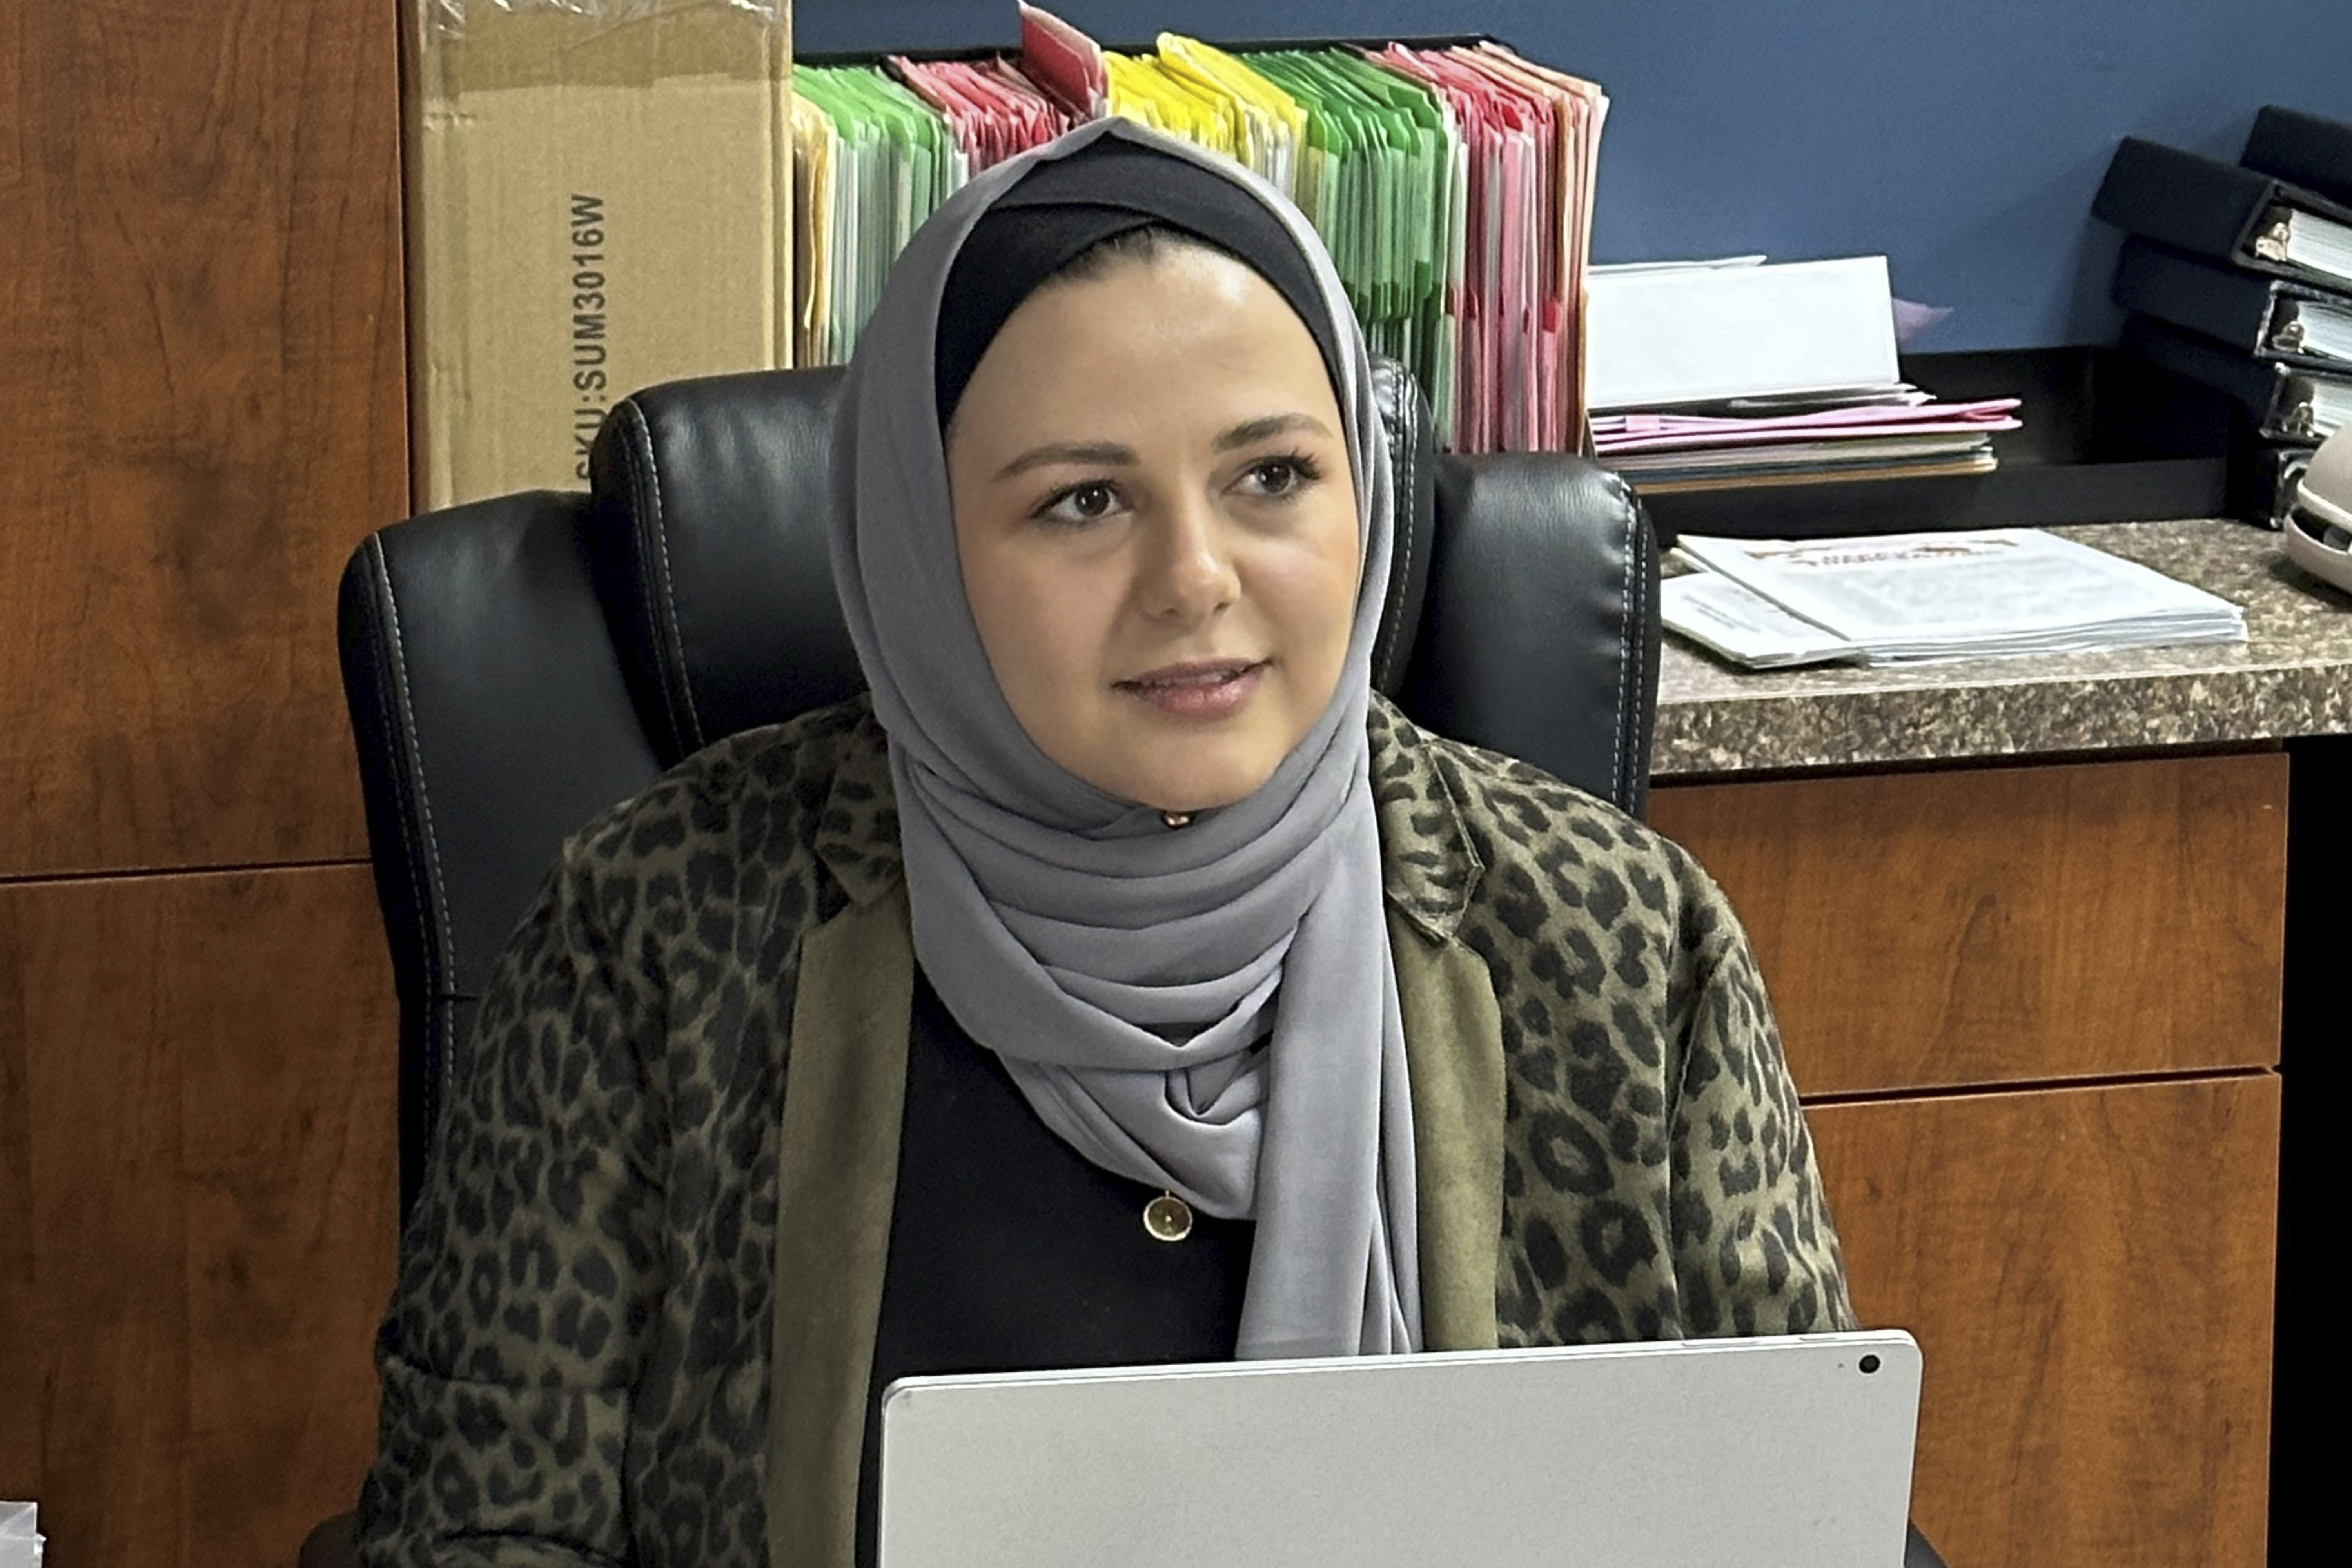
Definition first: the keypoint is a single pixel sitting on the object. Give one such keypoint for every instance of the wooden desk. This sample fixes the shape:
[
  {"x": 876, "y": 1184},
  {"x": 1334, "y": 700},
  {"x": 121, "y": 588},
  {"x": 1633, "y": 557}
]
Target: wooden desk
[{"x": 2023, "y": 924}]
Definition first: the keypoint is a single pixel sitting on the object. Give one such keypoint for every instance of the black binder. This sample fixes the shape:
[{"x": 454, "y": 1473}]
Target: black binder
[
  {"x": 2282, "y": 402},
  {"x": 2253, "y": 314},
  {"x": 2309, "y": 150},
  {"x": 2273, "y": 469},
  {"x": 2208, "y": 208}
]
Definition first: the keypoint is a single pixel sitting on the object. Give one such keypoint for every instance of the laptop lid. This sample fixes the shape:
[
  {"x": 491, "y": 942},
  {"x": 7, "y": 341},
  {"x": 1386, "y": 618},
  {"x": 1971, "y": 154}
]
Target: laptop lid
[{"x": 1764, "y": 1453}]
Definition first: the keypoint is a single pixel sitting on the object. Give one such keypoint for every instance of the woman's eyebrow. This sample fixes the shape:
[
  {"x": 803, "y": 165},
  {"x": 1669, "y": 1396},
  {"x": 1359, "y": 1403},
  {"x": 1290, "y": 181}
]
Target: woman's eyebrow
[
  {"x": 1250, "y": 431},
  {"x": 1108, "y": 452}
]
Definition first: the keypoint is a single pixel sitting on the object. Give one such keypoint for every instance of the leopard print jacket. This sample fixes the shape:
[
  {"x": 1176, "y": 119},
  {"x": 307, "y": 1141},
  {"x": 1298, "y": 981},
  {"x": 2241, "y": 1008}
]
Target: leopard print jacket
[{"x": 576, "y": 1367}]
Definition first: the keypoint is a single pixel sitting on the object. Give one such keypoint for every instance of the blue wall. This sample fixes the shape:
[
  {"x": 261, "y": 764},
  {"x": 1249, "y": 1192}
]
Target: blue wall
[{"x": 1964, "y": 139}]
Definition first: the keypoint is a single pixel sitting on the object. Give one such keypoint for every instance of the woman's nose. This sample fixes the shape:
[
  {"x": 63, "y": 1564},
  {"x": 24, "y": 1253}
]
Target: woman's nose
[{"x": 1189, "y": 571}]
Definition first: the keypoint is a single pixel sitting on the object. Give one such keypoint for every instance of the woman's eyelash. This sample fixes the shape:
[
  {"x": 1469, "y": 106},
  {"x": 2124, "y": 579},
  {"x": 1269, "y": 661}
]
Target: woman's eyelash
[
  {"x": 1304, "y": 465},
  {"x": 1299, "y": 469},
  {"x": 1305, "y": 468},
  {"x": 1044, "y": 510}
]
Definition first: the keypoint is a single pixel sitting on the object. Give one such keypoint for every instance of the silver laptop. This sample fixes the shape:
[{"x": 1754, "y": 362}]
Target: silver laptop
[{"x": 1762, "y": 1453}]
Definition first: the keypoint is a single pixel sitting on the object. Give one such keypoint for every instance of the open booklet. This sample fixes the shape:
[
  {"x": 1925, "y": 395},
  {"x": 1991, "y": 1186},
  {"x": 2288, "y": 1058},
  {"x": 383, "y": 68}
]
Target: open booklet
[{"x": 1916, "y": 598}]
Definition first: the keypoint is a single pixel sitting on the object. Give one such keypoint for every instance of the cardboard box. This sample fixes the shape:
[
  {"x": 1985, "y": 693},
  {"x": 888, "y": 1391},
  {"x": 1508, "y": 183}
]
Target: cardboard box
[{"x": 599, "y": 199}]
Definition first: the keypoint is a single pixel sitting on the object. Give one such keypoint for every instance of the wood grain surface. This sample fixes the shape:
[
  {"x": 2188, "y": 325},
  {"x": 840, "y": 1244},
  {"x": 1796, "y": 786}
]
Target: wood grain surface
[
  {"x": 203, "y": 388},
  {"x": 20, "y": 1431},
  {"x": 2007, "y": 924},
  {"x": 2088, "y": 1272},
  {"x": 204, "y": 1209}
]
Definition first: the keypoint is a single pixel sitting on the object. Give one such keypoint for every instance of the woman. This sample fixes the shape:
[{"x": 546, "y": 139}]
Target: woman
[{"x": 1121, "y": 981}]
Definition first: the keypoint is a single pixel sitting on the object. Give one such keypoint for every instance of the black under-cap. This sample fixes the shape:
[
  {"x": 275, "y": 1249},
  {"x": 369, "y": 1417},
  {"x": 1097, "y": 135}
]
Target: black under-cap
[{"x": 1062, "y": 207}]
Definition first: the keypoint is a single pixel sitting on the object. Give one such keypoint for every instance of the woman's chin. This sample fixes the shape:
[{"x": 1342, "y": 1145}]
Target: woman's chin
[
  {"x": 1202, "y": 774},
  {"x": 1180, "y": 764}
]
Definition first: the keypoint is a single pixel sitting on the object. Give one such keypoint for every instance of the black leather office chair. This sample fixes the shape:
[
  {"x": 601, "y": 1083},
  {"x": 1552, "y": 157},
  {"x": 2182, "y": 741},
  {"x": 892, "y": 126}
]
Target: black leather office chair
[
  {"x": 517, "y": 665},
  {"x": 514, "y": 665}
]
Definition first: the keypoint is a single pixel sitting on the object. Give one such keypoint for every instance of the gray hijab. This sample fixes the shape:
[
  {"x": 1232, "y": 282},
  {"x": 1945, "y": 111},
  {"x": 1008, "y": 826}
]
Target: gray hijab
[{"x": 1212, "y": 1010}]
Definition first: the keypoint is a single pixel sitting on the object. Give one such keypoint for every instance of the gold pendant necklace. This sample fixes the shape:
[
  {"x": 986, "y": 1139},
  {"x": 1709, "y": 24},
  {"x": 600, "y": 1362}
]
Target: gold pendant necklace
[{"x": 1168, "y": 1218}]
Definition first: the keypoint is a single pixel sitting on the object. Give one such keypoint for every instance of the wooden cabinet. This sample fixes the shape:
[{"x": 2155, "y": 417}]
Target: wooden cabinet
[
  {"x": 196, "y": 1208},
  {"x": 204, "y": 391},
  {"x": 202, "y": 382},
  {"x": 2035, "y": 1014}
]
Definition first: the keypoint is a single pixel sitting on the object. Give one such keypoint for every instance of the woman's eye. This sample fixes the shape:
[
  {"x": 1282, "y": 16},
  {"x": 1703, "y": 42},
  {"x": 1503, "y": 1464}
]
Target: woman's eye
[
  {"x": 1278, "y": 476},
  {"x": 1081, "y": 504}
]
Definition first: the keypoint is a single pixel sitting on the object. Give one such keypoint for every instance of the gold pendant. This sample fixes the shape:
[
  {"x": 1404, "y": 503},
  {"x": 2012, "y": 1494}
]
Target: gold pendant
[
  {"x": 1177, "y": 819},
  {"x": 1168, "y": 1218}
]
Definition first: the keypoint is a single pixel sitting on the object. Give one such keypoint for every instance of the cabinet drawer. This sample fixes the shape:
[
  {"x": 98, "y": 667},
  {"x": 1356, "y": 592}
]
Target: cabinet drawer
[
  {"x": 2007, "y": 924},
  {"x": 2089, "y": 1273},
  {"x": 197, "y": 1207}
]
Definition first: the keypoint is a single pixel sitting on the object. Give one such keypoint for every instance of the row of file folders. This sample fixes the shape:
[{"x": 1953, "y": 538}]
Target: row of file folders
[{"x": 1454, "y": 186}]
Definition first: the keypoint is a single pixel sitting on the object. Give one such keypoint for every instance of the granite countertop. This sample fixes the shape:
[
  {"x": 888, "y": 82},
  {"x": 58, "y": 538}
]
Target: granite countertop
[{"x": 2291, "y": 677}]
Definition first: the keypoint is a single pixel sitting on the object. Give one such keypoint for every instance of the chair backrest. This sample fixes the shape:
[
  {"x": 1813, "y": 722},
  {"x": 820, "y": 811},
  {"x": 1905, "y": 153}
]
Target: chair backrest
[{"x": 515, "y": 665}]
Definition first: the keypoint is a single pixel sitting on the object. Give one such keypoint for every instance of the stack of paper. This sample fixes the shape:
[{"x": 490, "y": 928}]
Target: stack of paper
[
  {"x": 1918, "y": 598},
  {"x": 1736, "y": 372},
  {"x": 1905, "y": 433},
  {"x": 1454, "y": 188}
]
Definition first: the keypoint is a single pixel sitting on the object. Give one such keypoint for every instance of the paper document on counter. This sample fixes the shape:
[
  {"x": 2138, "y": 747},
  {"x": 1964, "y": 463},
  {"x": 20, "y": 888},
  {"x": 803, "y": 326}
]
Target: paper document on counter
[
  {"x": 1745, "y": 626},
  {"x": 1907, "y": 598}
]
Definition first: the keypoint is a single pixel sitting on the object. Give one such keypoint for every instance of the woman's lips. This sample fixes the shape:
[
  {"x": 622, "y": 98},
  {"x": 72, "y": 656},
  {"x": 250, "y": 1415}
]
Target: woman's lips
[{"x": 1202, "y": 690}]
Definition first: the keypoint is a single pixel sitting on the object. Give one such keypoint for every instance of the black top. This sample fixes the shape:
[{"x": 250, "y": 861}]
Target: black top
[{"x": 1009, "y": 1251}]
